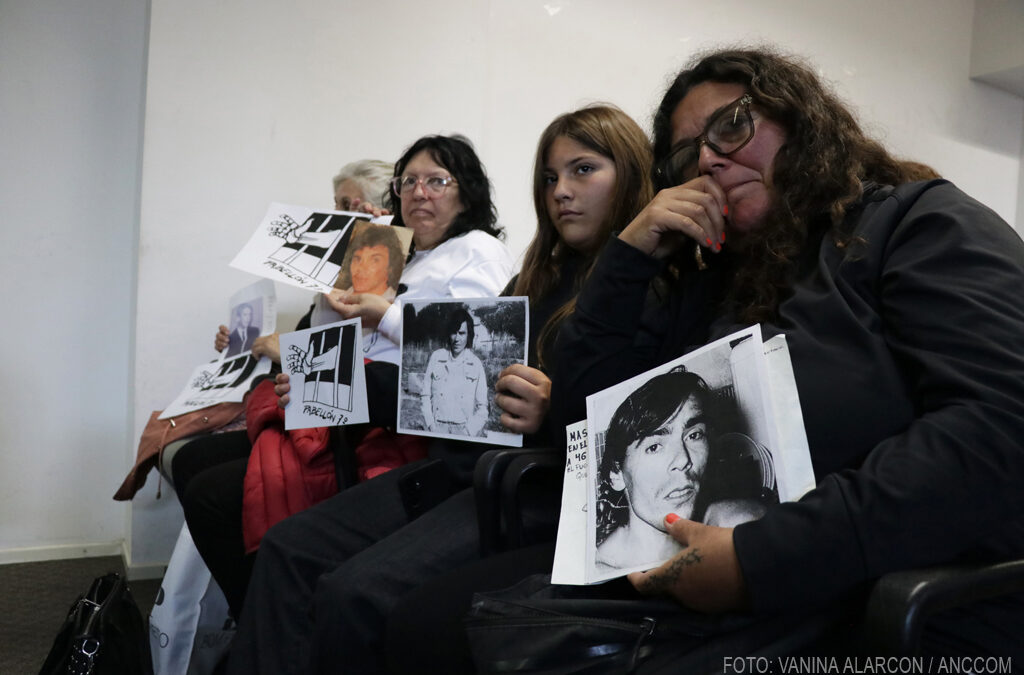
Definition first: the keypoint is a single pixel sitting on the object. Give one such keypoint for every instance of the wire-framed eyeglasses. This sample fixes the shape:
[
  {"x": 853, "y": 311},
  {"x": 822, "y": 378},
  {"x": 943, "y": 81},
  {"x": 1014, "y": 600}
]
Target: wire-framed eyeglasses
[
  {"x": 432, "y": 185},
  {"x": 727, "y": 131}
]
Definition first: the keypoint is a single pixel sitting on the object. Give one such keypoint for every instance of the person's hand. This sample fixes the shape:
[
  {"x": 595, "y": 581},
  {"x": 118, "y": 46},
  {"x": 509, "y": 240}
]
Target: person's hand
[
  {"x": 524, "y": 394},
  {"x": 368, "y": 207},
  {"x": 221, "y": 339},
  {"x": 692, "y": 210},
  {"x": 269, "y": 346},
  {"x": 705, "y": 575},
  {"x": 369, "y": 307},
  {"x": 282, "y": 388}
]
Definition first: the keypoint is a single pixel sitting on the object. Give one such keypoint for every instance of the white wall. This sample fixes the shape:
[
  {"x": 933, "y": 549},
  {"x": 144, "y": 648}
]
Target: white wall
[
  {"x": 997, "y": 52},
  {"x": 71, "y": 93},
  {"x": 255, "y": 101},
  {"x": 251, "y": 102}
]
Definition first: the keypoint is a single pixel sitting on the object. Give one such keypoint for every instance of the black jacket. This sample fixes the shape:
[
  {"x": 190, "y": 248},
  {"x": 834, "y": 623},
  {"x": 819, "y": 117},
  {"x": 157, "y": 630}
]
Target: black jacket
[{"x": 908, "y": 352}]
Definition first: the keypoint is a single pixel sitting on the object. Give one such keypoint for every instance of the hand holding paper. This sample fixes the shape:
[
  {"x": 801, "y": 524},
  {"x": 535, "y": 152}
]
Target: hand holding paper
[
  {"x": 704, "y": 576},
  {"x": 220, "y": 340},
  {"x": 714, "y": 438},
  {"x": 323, "y": 383},
  {"x": 368, "y": 207},
  {"x": 269, "y": 346},
  {"x": 282, "y": 388},
  {"x": 369, "y": 307},
  {"x": 524, "y": 395}
]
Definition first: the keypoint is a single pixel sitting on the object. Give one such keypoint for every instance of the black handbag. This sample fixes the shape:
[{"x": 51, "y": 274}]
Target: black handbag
[
  {"x": 103, "y": 634},
  {"x": 534, "y": 627}
]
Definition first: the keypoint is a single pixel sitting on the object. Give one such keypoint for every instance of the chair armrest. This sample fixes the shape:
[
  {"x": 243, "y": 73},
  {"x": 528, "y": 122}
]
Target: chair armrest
[
  {"x": 542, "y": 460},
  {"x": 901, "y": 602},
  {"x": 488, "y": 476}
]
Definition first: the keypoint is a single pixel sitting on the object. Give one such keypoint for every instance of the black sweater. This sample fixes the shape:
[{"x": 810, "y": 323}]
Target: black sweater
[{"x": 908, "y": 353}]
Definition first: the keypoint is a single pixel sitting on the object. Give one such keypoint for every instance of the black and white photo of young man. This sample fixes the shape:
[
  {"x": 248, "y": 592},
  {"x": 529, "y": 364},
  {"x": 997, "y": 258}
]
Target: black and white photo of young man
[{"x": 452, "y": 353}]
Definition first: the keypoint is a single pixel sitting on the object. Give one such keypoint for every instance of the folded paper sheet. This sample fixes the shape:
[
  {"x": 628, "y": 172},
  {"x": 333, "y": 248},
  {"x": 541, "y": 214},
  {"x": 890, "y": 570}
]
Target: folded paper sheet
[{"x": 714, "y": 436}]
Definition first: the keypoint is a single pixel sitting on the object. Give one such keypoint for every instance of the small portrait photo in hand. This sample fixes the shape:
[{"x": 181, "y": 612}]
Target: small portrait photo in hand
[{"x": 452, "y": 353}]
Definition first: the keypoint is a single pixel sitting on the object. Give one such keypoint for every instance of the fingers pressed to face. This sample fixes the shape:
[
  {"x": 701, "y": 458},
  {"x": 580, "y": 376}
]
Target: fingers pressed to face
[{"x": 695, "y": 208}]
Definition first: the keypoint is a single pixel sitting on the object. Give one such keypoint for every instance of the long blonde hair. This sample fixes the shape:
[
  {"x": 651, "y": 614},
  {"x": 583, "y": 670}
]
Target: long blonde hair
[{"x": 612, "y": 133}]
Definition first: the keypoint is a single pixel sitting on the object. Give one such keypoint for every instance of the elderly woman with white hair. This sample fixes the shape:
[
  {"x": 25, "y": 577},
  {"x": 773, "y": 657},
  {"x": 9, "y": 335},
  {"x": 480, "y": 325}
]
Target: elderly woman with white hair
[
  {"x": 363, "y": 181},
  {"x": 439, "y": 190},
  {"x": 213, "y": 458}
]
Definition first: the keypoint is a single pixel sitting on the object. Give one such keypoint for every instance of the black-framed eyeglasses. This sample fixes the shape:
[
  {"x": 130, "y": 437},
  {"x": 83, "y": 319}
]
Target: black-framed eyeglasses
[
  {"x": 432, "y": 185},
  {"x": 727, "y": 131}
]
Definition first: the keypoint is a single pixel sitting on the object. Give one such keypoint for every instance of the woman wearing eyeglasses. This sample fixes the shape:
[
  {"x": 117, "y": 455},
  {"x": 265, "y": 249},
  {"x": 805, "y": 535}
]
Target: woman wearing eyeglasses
[
  {"x": 900, "y": 297},
  {"x": 326, "y": 578},
  {"x": 441, "y": 193}
]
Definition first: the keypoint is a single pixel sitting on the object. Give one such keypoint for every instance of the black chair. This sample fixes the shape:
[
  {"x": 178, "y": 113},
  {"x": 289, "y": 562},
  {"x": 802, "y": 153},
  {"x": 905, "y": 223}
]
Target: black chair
[
  {"x": 504, "y": 481},
  {"x": 899, "y": 603}
]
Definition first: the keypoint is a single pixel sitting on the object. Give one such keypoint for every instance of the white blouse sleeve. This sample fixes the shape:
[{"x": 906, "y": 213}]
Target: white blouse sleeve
[
  {"x": 390, "y": 325},
  {"x": 486, "y": 267},
  {"x": 476, "y": 264}
]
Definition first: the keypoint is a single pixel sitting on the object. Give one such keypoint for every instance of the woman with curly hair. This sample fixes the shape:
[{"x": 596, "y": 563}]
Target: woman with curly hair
[
  {"x": 326, "y": 578},
  {"x": 899, "y": 296}
]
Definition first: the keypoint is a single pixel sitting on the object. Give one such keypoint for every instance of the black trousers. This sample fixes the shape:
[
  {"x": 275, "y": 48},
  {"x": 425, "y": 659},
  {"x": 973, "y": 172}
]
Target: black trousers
[
  {"x": 425, "y": 633},
  {"x": 325, "y": 579},
  {"x": 208, "y": 477},
  {"x": 209, "y": 474}
]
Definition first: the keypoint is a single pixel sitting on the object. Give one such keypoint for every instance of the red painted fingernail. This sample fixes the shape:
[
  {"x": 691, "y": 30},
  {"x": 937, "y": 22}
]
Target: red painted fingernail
[
  {"x": 725, "y": 210},
  {"x": 671, "y": 518},
  {"x": 722, "y": 237},
  {"x": 708, "y": 240}
]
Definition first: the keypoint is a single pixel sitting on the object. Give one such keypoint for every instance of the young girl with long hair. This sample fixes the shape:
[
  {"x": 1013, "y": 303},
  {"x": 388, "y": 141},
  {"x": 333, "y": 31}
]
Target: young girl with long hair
[{"x": 590, "y": 178}]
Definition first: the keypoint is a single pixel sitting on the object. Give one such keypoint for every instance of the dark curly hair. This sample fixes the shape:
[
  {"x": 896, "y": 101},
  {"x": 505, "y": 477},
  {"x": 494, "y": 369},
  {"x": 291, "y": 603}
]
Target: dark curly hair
[
  {"x": 818, "y": 172},
  {"x": 456, "y": 154}
]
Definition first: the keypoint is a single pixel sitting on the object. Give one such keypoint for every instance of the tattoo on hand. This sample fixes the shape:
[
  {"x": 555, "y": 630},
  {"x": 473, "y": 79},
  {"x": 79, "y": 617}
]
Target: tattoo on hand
[
  {"x": 692, "y": 557},
  {"x": 663, "y": 582}
]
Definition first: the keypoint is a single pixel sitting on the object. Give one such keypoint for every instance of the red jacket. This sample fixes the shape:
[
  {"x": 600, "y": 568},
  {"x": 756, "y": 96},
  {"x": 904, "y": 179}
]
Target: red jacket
[
  {"x": 288, "y": 470},
  {"x": 292, "y": 470}
]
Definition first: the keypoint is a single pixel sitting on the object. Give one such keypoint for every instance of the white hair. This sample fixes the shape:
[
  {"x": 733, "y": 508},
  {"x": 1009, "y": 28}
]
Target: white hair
[{"x": 371, "y": 175}]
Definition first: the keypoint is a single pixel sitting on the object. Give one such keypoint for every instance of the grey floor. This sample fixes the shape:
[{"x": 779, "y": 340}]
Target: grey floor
[{"x": 34, "y": 600}]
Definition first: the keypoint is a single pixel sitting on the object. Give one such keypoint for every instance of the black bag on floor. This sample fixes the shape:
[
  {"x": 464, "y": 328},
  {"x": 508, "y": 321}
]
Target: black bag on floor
[
  {"x": 104, "y": 634},
  {"x": 534, "y": 627}
]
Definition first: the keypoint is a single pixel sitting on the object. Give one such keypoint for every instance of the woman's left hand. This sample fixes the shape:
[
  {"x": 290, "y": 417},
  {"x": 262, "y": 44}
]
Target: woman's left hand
[
  {"x": 282, "y": 387},
  {"x": 368, "y": 207},
  {"x": 705, "y": 575},
  {"x": 524, "y": 395},
  {"x": 269, "y": 346},
  {"x": 369, "y": 307}
]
